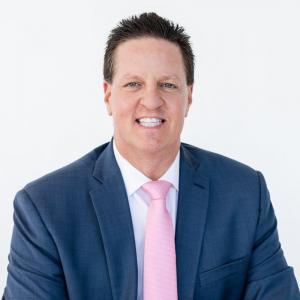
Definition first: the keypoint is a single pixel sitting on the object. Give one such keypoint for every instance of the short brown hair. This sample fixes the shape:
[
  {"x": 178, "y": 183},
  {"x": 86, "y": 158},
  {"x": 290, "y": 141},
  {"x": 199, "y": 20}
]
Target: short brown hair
[{"x": 153, "y": 25}]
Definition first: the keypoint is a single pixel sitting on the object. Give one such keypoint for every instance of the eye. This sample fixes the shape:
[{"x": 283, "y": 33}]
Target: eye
[
  {"x": 169, "y": 85},
  {"x": 132, "y": 84}
]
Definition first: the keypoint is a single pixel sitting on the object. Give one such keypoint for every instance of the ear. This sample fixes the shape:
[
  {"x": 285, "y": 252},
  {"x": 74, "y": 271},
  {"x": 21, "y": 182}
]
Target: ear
[
  {"x": 190, "y": 98},
  {"x": 107, "y": 96}
]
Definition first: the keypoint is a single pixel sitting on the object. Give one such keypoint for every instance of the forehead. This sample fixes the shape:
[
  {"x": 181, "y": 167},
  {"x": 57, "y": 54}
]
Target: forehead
[{"x": 146, "y": 56}]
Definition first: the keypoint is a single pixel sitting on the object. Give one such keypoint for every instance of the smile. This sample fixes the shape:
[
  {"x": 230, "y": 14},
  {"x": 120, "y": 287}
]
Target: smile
[{"x": 150, "y": 122}]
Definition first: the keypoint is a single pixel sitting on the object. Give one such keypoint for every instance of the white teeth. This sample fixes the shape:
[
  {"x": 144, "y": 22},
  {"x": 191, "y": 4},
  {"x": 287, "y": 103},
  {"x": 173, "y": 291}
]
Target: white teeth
[{"x": 149, "y": 122}]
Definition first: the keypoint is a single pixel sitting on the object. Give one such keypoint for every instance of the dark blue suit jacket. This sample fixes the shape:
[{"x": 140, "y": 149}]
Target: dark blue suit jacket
[{"x": 73, "y": 235}]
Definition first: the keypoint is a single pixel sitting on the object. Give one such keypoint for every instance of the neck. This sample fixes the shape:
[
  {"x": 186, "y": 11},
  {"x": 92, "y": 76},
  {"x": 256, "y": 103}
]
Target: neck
[{"x": 152, "y": 165}]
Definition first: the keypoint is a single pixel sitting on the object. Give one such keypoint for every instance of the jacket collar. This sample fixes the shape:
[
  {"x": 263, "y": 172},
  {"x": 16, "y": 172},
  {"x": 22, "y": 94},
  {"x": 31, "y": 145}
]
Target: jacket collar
[{"x": 114, "y": 218}]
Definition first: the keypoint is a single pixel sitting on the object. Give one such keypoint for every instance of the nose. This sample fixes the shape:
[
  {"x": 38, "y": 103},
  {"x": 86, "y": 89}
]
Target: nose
[{"x": 151, "y": 98}]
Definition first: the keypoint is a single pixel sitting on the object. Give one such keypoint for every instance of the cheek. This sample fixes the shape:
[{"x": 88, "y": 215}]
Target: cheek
[
  {"x": 178, "y": 110},
  {"x": 123, "y": 110}
]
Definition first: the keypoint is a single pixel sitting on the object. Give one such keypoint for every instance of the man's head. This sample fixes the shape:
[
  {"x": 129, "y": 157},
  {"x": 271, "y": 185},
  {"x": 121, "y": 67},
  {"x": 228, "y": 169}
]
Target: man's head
[
  {"x": 151, "y": 25},
  {"x": 148, "y": 79}
]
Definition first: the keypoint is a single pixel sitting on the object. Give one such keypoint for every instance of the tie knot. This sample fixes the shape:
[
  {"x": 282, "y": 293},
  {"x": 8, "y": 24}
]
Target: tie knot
[{"x": 157, "y": 189}]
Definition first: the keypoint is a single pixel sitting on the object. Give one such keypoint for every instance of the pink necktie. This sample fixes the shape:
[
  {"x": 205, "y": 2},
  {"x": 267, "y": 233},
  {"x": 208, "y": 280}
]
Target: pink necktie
[{"x": 160, "y": 280}]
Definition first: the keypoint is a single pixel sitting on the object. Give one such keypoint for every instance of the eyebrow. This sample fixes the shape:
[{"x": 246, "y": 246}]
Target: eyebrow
[{"x": 164, "y": 77}]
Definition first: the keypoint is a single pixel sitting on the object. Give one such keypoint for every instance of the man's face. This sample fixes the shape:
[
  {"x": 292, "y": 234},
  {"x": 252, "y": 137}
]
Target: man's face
[{"x": 148, "y": 97}]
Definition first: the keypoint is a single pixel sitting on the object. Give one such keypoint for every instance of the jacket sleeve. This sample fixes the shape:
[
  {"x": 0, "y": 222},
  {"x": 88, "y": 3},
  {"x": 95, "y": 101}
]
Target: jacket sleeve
[
  {"x": 269, "y": 275},
  {"x": 34, "y": 268}
]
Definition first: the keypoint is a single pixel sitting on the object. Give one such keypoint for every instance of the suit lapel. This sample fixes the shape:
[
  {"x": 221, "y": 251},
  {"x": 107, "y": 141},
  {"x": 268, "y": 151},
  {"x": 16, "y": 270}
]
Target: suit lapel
[
  {"x": 190, "y": 223},
  {"x": 113, "y": 213},
  {"x": 114, "y": 217}
]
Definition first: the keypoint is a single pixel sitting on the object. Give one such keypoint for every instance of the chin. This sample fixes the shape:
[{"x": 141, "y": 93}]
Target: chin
[{"x": 152, "y": 147}]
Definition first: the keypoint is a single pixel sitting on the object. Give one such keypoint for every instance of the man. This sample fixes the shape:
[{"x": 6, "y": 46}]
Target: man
[{"x": 146, "y": 216}]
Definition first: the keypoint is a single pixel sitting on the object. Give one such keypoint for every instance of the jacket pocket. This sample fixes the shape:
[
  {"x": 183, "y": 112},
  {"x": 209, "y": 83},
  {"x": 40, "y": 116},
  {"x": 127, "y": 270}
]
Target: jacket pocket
[{"x": 224, "y": 271}]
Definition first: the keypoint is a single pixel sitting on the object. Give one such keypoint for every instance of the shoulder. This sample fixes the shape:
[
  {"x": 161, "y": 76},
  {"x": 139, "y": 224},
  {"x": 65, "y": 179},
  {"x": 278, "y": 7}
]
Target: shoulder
[
  {"x": 69, "y": 177},
  {"x": 223, "y": 169},
  {"x": 217, "y": 160},
  {"x": 232, "y": 184}
]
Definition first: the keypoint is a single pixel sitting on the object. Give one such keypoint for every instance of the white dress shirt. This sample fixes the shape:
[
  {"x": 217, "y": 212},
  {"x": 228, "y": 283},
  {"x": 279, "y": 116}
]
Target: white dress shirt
[{"x": 139, "y": 202}]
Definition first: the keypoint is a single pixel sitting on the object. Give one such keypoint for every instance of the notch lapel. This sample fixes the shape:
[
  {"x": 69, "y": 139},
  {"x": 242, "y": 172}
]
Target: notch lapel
[
  {"x": 114, "y": 218},
  {"x": 190, "y": 223},
  {"x": 113, "y": 213}
]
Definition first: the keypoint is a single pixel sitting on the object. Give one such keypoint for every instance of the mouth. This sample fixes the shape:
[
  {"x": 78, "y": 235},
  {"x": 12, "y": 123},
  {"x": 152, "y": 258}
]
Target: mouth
[{"x": 150, "y": 122}]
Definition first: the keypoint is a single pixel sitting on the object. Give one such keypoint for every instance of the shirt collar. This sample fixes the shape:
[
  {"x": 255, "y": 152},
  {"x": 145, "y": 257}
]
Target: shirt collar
[{"x": 134, "y": 179}]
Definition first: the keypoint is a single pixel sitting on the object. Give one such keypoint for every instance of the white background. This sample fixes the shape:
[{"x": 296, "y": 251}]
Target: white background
[{"x": 245, "y": 104}]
